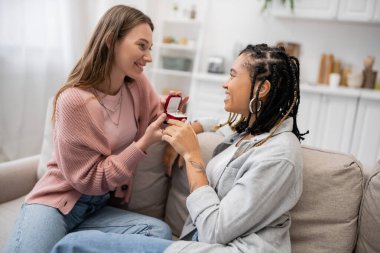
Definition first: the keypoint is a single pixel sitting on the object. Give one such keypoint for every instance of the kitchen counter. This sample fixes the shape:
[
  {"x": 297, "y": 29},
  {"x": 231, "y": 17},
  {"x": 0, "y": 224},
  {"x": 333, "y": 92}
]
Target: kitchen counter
[
  {"x": 306, "y": 87},
  {"x": 342, "y": 119},
  {"x": 340, "y": 91}
]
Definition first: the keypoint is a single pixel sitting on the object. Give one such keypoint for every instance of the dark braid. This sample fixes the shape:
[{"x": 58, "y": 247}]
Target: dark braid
[{"x": 282, "y": 71}]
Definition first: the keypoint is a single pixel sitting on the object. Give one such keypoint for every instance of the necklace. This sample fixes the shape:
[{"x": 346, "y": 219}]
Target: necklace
[
  {"x": 109, "y": 110},
  {"x": 117, "y": 106}
]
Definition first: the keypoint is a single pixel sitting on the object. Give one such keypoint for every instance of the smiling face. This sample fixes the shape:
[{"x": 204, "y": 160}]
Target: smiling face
[
  {"x": 238, "y": 87},
  {"x": 133, "y": 51}
]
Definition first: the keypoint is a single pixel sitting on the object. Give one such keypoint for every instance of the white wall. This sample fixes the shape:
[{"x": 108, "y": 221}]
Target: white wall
[
  {"x": 39, "y": 43},
  {"x": 23, "y": 99},
  {"x": 231, "y": 21}
]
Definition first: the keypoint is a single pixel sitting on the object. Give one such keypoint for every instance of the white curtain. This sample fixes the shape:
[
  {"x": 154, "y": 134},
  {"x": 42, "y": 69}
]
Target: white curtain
[{"x": 40, "y": 41}]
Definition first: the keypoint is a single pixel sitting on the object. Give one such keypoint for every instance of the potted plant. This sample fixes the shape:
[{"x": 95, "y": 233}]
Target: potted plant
[{"x": 268, "y": 2}]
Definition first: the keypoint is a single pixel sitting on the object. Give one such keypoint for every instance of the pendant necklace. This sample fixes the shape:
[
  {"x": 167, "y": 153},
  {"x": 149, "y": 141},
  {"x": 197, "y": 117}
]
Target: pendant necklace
[{"x": 109, "y": 110}]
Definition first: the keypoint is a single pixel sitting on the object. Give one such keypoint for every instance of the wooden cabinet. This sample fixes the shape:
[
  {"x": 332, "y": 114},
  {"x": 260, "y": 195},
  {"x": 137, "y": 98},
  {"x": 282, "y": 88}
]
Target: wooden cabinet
[
  {"x": 366, "y": 136},
  {"x": 342, "y": 10},
  {"x": 353, "y": 10},
  {"x": 376, "y": 16},
  {"x": 344, "y": 120},
  {"x": 329, "y": 116},
  {"x": 315, "y": 9},
  {"x": 308, "y": 116}
]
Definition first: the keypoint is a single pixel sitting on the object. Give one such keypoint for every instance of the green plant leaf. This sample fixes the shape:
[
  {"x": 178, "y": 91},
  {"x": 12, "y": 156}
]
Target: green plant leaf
[{"x": 268, "y": 2}]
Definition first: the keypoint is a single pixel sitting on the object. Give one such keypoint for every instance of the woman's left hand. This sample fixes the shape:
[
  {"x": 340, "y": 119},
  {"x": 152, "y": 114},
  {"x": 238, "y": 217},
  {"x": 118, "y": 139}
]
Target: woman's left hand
[
  {"x": 182, "y": 138},
  {"x": 152, "y": 134}
]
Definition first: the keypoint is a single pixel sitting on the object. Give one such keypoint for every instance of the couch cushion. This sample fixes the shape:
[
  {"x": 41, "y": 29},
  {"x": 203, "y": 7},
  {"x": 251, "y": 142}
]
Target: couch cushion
[
  {"x": 325, "y": 218},
  {"x": 8, "y": 213},
  {"x": 150, "y": 187},
  {"x": 369, "y": 222},
  {"x": 176, "y": 211},
  {"x": 47, "y": 141}
]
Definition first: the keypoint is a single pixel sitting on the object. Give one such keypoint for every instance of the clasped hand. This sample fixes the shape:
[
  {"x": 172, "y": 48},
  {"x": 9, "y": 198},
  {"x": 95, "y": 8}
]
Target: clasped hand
[{"x": 181, "y": 137}]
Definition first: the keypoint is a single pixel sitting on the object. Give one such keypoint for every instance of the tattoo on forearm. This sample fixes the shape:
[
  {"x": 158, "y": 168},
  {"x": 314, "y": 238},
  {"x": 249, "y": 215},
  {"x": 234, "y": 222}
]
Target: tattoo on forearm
[{"x": 199, "y": 168}]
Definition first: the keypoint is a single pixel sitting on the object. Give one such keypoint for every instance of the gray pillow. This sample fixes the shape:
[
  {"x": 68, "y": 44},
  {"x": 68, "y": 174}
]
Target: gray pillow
[
  {"x": 150, "y": 186},
  {"x": 47, "y": 141},
  {"x": 325, "y": 218},
  {"x": 176, "y": 211}
]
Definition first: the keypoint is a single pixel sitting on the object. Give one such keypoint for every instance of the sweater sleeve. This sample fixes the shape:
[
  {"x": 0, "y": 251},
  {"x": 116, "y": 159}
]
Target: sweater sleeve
[{"x": 81, "y": 149}]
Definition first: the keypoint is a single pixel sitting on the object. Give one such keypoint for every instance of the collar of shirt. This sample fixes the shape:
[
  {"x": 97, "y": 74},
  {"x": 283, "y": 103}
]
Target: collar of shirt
[
  {"x": 286, "y": 126},
  {"x": 246, "y": 145}
]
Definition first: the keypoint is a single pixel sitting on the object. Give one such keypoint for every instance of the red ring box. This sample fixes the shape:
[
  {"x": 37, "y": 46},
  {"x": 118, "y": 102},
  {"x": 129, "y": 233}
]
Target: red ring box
[{"x": 172, "y": 108}]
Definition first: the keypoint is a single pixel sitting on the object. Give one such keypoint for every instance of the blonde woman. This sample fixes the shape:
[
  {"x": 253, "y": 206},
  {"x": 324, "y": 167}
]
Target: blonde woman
[{"x": 105, "y": 116}]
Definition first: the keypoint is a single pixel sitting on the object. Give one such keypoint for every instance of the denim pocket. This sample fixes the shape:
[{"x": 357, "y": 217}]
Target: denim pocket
[
  {"x": 85, "y": 206},
  {"x": 78, "y": 213}
]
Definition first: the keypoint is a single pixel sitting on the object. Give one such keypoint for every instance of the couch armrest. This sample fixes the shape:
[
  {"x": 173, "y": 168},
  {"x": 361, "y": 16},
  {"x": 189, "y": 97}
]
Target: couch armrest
[{"x": 17, "y": 177}]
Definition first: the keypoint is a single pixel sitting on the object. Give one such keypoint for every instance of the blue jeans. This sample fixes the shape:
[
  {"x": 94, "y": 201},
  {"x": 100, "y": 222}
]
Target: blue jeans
[
  {"x": 96, "y": 241},
  {"x": 40, "y": 227}
]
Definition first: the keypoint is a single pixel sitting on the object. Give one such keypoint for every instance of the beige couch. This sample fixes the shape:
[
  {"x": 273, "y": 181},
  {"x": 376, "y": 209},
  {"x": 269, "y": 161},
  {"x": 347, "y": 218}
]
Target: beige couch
[{"x": 339, "y": 210}]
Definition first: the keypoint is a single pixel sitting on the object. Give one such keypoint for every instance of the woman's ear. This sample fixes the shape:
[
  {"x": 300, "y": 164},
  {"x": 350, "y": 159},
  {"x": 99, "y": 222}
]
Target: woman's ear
[{"x": 264, "y": 91}]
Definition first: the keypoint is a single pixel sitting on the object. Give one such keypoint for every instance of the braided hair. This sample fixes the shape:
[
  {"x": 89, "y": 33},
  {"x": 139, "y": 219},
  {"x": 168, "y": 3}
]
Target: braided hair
[{"x": 282, "y": 71}]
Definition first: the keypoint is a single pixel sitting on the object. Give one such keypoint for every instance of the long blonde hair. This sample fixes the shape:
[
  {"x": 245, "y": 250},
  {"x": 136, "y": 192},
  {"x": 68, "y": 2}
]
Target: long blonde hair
[{"x": 94, "y": 67}]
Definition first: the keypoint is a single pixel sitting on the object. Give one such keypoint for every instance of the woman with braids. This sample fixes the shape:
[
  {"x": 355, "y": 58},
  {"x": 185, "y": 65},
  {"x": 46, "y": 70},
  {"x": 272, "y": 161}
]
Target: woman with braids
[{"x": 240, "y": 201}]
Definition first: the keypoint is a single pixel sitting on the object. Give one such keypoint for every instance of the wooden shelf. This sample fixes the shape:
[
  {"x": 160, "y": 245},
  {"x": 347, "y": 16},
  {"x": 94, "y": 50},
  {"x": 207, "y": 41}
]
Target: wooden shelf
[
  {"x": 341, "y": 91},
  {"x": 172, "y": 72},
  {"x": 212, "y": 77},
  {"x": 184, "y": 21},
  {"x": 173, "y": 46}
]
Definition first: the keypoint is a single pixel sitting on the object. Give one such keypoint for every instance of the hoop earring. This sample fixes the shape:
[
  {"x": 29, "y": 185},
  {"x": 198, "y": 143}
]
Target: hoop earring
[{"x": 251, "y": 103}]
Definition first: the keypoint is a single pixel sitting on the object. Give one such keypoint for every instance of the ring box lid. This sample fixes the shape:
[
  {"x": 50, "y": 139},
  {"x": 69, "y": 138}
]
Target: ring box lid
[{"x": 172, "y": 107}]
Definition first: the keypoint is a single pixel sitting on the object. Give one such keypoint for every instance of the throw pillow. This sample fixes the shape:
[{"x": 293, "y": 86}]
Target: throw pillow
[
  {"x": 325, "y": 218},
  {"x": 150, "y": 187},
  {"x": 47, "y": 141},
  {"x": 369, "y": 222},
  {"x": 176, "y": 211}
]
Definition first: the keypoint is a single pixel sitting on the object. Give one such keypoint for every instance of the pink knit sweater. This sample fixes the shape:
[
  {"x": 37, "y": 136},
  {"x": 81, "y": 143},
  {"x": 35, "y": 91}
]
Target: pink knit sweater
[{"x": 82, "y": 162}]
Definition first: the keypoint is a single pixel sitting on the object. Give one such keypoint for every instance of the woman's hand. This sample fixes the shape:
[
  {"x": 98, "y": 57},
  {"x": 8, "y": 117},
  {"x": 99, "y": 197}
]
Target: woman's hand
[
  {"x": 152, "y": 134},
  {"x": 170, "y": 155},
  {"x": 182, "y": 138}
]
